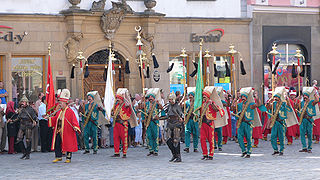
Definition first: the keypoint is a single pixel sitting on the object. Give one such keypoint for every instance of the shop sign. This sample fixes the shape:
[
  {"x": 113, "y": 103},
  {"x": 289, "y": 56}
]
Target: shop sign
[
  {"x": 10, "y": 36},
  {"x": 213, "y": 35},
  {"x": 27, "y": 66}
]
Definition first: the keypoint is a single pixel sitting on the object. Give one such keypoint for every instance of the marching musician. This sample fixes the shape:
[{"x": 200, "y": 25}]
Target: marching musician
[
  {"x": 306, "y": 113},
  {"x": 245, "y": 117},
  {"x": 208, "y": 115},
  {"x": 227, "y": 129},
  {"x": 279, "y": 111},
  {"x": 218, "y": 131},
  {"x": 174, "y": 127},
  {"x": 152, "y": 108},
  {"x": 91, "y": 124},
  {"x": 266, "y": 125},
  {"x": 122, "y": 114},
  {"x": 192, "y": 125},
  {"x": 65, "y": 127},
  {"x": 292, "y": 131},
  {"x": 27, "y": 117}
]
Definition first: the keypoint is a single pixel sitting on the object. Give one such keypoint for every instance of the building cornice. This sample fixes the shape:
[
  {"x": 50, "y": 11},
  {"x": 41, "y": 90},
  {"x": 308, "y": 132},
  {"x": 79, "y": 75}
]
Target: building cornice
[{"x": 284, "y": 9}]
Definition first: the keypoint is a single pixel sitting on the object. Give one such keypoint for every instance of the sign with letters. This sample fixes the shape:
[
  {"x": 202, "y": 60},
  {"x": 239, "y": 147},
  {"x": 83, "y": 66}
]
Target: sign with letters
[
  {"x": 213, "y": 35},
  {"x": 8, "y": 35}
]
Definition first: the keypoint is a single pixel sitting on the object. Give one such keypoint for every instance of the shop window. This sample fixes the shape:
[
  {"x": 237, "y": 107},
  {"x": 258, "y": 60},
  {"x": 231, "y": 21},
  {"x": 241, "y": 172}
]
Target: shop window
[
  {"x": 284, "y": 72},
  {"x": 27, "y": 76},
  {"x": 221, "y": 79},
  {"x": 176, "y": 74},
  {"x": 221, "y": 68}
]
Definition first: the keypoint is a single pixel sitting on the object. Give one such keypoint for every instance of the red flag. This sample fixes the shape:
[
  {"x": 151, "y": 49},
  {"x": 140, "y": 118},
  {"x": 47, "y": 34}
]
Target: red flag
[{"x": 50, "y": 96}]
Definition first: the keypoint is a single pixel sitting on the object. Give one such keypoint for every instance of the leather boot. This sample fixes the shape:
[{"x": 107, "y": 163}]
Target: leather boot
[
  {"x": 178, "y": 159},
  {"x": 173, "y": 158},
  {"x": 23, "y": 149},
  {"x": 204, "y": 157},
  {"x": 28, "y": 151}
]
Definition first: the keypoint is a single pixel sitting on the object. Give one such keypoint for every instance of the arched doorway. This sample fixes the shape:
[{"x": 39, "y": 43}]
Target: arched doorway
[{"x": 97, "y": 62}]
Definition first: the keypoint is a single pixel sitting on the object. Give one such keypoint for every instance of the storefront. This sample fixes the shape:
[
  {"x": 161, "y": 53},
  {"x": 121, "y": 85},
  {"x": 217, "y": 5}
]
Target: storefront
[
  {"x": 289, "y": 30},
  {"x": 24, "y": 51}
]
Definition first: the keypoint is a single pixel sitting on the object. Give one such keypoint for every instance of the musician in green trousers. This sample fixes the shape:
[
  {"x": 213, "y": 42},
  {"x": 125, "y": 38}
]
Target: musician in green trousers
[
  {"x": 151, "y": 120},
  {"x": 278, "y": 125},
  {"x": 307, "y": 113},
  {"x": 192, "y": 126},
  {"x": 246, "y": 127},
  {"x": 90, "y": 125}
]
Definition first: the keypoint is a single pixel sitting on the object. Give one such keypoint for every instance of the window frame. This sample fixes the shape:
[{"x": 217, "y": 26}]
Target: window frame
[
  {"x": 175, "y": 55},
  {"x": 44, "y": 70}
]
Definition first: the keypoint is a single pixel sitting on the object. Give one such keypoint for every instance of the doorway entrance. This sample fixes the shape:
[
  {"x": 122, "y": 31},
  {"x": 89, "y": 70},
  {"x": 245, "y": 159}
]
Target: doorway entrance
[{"x": 97, "y": 63}]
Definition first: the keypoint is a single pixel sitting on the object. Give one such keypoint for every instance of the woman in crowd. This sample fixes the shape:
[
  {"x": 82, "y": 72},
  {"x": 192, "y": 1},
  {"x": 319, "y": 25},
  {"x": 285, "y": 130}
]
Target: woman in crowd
[{"x": 12, "y": 126}]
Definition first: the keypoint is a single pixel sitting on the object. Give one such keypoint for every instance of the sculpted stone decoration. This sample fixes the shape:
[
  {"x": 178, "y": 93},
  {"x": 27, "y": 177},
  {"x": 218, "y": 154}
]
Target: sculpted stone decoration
[
  {"x": 74, "y": 4},
  {"x": 148, "y": 44},
  {"x": 98, "y": 6},
  {"x": 111, "y": 19},
  {"x": 72, "y": 46},
  {"x": 149, "y": 5}
]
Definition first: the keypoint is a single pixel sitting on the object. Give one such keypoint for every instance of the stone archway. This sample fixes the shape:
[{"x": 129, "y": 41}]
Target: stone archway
[{"x": 97, "y": 62}]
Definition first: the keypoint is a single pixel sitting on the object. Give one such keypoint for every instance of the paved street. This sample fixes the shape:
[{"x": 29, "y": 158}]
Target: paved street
[{"x": 226, "y": 165}]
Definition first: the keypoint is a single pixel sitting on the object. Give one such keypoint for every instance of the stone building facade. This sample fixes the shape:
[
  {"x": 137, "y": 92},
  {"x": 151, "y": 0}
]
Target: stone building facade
[{"x": 77, "y": 30}]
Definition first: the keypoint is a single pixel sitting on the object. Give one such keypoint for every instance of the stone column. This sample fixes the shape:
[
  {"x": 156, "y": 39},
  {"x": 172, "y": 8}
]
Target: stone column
[{"x": 74, "y": 19}]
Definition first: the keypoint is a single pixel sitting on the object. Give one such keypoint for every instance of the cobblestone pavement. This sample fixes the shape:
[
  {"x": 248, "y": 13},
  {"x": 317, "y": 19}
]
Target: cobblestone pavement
[{"x": 227, "y": 164}]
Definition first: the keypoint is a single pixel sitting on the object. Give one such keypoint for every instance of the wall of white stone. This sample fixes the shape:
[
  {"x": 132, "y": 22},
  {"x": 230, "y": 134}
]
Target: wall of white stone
[{"x": 172, "y": 8}]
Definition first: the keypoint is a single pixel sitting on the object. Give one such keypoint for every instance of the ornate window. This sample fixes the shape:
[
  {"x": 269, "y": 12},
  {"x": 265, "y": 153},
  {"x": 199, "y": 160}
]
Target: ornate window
[{"x": 102, "y": 56}]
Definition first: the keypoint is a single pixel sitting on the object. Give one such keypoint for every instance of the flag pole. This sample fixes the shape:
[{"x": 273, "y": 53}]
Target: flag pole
[
  {"x": 113, "y": 68},
  {"x": 298, "y": 55},
  {"x": 232, "y": 51},
  {"x": 184, "y": 55},
  {"x": 200, "y": 54},
  {"x": 141, "y": 59},
  {"x": 207, "y": 56},
  {"x": 273, "y": 52}
]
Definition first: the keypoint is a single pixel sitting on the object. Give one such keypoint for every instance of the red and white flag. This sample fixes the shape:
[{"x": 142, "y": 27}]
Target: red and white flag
[{"x": 50, "y": 96}]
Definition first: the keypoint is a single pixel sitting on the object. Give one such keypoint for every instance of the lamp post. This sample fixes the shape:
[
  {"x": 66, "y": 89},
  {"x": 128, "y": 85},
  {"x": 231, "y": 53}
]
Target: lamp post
[
  {"x": 299, "y": 56},
  {"x": 207, "y": 56},
  {"x": 273, "y": 52}
]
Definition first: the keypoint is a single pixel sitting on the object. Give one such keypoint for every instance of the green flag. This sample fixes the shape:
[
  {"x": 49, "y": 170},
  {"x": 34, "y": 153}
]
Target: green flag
[{"x": 199, "y": 86}]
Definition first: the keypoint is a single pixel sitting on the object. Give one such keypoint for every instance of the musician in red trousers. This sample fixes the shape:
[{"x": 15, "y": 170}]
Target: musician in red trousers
[
  {"x": 122, "y": 114},
  {"x": 292, "y": 131},
  {"x": 257, "y": 131},
  {"x": 266, "y": 125},
  {"x": 208, "y": 115},
  {"x": 65, "y": 126}
]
